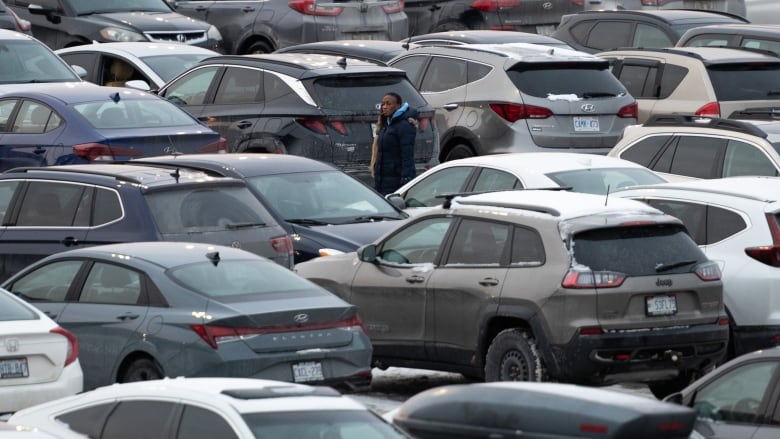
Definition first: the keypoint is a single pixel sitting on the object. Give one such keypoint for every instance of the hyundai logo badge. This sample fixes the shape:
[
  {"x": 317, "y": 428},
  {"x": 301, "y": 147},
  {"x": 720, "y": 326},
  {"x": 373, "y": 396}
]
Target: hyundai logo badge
[
  {"x": 547, "y": 6},
  {"x": 588, "y": 108},
  {"x": 181, "y": 38},
  {"x": 301, "y": 318},
  {"x": 235, "y": 244}
]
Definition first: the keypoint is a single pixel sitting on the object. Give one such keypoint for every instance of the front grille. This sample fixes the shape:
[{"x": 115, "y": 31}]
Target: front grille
[{"x": 185, "y": 37}]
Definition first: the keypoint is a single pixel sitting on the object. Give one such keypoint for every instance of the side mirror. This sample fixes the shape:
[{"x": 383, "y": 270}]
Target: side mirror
[
  {"x": 367, "y": 253},
  {"x": 138, "y": 85},
  {"x": 50, "y": 14},
  {"x": 396, "y": 200},
  {"x": 81, "y": 71},
  {"x": 674, "y": 398}
]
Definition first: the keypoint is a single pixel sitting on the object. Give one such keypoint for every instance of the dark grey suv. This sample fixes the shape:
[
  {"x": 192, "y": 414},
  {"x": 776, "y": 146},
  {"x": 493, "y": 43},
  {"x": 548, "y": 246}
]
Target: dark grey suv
[{"x": 48, "y": 210}]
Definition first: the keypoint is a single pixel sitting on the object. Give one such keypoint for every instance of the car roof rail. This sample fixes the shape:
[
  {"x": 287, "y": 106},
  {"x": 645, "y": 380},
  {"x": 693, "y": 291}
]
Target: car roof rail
[
  {"x": 449, "y": 197},
  {"x": 659, "y": 120},
  {"x": 660, "y": 13},
  {"x": 188, "y": 166},
  {"x": 29, "y": 169}
]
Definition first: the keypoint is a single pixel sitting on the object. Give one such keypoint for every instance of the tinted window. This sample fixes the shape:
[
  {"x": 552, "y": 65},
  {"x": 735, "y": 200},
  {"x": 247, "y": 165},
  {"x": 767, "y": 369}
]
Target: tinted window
[
  {"x": 445, "y": 181},
  {"x": 12, "y": 309},
  {"x": 240, "y": 86},
  {"x": 132, "y": 113},
  {"x": 540, "y": 80},
  {"x": 637, "y": 250},
  {"x": 108, "y": 283},
  {"x": 602, "y": 181},
  {"x": 738, "y": 82},
  {"x": 639, "y": 79},
  {"x": 35, "y": 118},
  {"x": 745, "y": 159},
  {"x": 610, "y": 35},
  {"x": 644, "y": 151},
  {"x": 50, "y": 282},
  {"x": 477, "y": 71},
  {"x": 342, "y": 424},
  {"x": 737, "y": 395},
  {"x": 671, "y": 78},
  {"x": 198, "y": 423},
  {"x": 6, "y": 107},
  {"x": 581, "y": 30},
  {"x": 50, "y": 204},
  {"x": 722, "y": 223},
  {"x": 412, "y": 65},
  {"x": 123, "y": 423},
  {"x": 444, "y": 74},
  {"x": 191, "y": 88},
  {"x": 478, "y": 243},
  {"x": 276, "y": 89},
  {"x": 693, "y": 215},
  {"x": 651, "y": 37},
  {"x": 7, "y": 189},
  {"x": 108, "y": 207},
  {"x": 495, "y": 180},
  {"x": 362, "y": 94},
  {"x": 418, "y": 243},
  {"x": 527, "y": 248},
  {"x": 698, "y": 157},
  {"x": 89, "y": 420}
]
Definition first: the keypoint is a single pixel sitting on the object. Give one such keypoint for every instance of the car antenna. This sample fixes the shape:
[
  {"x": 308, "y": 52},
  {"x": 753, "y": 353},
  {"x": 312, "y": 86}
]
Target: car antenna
[
  {"x": 606, "y": 198},
  {"x": 342, "y": 62},
  {"x": 407, "y": 43},
  {"x": 213, "y": 257},
  {"x": 115, "y": 97},
  {"x": 176, "y": 174}
]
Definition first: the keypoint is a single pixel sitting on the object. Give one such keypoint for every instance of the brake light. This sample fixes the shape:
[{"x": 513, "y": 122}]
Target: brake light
[
  {"x": 502, "y": 27},
  {"x": 424, "y": 122},
  {"x": 394, "y": 8},
  {"x": 220, "y": 146},
  {"x": 22, "y": 24},
  {"x": 515, "y": 112},
  {"x": 339, "y": 126},
  {"x": 630, "y": 110},
  {"x": 100, "y": 151},
  {"x": 708, "y": 271},
  {"x": 215, "y": 335},
  {"x": 282, "y": 245},
  {"x": 768, "y": 254},
  {"x": 73, "y": 344},
  {"x": 578, "y": 2},
  {"x": 577, "y": 278},
  {"x": 494, "y": 5},
  {"x": 314, "y": 124},
  {"x": 310, "y": 7},
  {"x": 711, "y": 109}
]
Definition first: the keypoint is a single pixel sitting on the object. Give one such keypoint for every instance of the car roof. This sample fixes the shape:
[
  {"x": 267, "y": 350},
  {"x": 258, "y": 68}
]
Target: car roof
[
  {"x": 138, "y": 49},
  {"x": 6, "y": 34},
  {"x": 513, "y": 51},
  {"x": 678, "y": 16},
  {"x": 707, "y": 54},
  {"x": 736, "y": 28},
  {"x": 245, "y": 165},
  {"x": 76, "y": 92},
  {"x": 376, "y": 51},
  {"x": 543, "y": 162},
  {"x": 304, "y": 65},
  {"x": 764, "y": 189},
  {"x": 487, "y": 36},
  {"x": 148, "y": 176}
]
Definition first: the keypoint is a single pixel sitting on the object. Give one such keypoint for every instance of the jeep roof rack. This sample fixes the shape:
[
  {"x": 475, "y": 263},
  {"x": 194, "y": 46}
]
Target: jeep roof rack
[{"x": 659, "y": 120}]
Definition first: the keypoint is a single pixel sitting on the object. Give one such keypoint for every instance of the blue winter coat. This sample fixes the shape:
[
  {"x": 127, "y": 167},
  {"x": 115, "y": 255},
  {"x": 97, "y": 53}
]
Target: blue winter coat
[{"x": 395, "y": 151}]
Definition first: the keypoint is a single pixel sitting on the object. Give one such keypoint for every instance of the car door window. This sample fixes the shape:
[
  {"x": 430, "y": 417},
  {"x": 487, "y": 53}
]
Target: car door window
[
  {"x": 644, "y": 151},
  {"x": 736, "y": 396},
  {"x": 444, "y": 74},
  {"x": 88, "y": 420},
  {"x": 494, "y": 180},
  {"x": 447, "y": 181},
  {"x": 50, "y": 204},
  {"x": 275, "y": 89},
  {"x": 7, "y": 189},
  {"x": 693, "y": 215},
  {"x": 199, "y": 423},
  {"x": 48, "y": 283},
  {"x": 723, "y": 223},
  {"x": 672, "y": 77},
  {"x": 240, "y": 86},
  {"x": 640, "y": 79},
  {"x": 83, "y": 60},
  {"x": 648, "y": 36},
  {"x": 108, "y": 207},
  {"x": 413, "y": 66},
  {"x": 416, "y": 244},
  {"x": 477, "y": 71},
  {"x": 191, "y": 89},
  {"x": 107, "y": 283},
  {"x": 123, "y": 422},
  {"x": 745, "y": 159},
  {"x": 527, "y": 248},
  {"x": 708, "y": 40},
  {"x": 35, "y": 118},
  {"x": 698, "y": 157},
  {"x": 6, "y": 107},
  {"x": 610, "y": 35},
  {"x": 761, "y": 44},
  {"x": 478, "y": 243}
]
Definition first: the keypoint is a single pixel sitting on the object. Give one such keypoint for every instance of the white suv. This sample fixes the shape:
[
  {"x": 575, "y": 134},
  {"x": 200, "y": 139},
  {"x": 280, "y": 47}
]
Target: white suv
[{"x": 736, "y": 221}]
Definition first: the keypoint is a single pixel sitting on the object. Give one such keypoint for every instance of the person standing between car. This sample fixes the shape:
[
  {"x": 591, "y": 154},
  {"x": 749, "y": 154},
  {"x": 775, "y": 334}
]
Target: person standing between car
[{"x": 393, "y": 163}]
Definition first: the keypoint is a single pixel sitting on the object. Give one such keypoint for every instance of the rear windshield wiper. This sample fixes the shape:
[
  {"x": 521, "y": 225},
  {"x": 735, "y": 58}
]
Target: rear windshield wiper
[
  {"x": 600, "y": 94},
  {"x": 661, "y": 267},
  {"x": 234, "y": 226},
  {"x": 307, "y": 222}
]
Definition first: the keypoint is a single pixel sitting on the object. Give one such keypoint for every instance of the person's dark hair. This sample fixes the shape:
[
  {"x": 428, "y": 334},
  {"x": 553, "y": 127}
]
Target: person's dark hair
[{"x": 395, "y": 96}]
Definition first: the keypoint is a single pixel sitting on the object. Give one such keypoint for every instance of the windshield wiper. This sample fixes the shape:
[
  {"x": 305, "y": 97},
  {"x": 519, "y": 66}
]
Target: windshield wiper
[
  {"x": 307, "y": 222},
  {"x": 661, "y": 267},
  {"x": 235, "y": 226},
  {"x": 370, "y": 218}
]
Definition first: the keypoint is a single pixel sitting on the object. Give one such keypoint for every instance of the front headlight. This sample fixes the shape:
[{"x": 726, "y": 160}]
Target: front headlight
[
  {"x": 213, "y": 33},
  {"x": 117, "y": 34}
]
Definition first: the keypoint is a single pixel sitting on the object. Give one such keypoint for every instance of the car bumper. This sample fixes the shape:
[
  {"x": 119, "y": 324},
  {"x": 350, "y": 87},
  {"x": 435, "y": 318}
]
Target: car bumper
[
  {"x": 70, "y": 382},
  {"x": 752, "y": 338},
  {"x": 651, "y": 355}
]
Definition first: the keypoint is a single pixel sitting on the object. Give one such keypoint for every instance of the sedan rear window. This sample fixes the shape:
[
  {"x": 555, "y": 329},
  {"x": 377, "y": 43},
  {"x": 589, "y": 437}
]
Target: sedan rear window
[
  {"x": 602, "y": 181},
  {"x": 133, "y": 113},
  {"x": 638, "y": 250},
  {"x": 585, "y": 80},
  {"x": 748, "y": 81},
  {"x": 362, "y": 94},
  {"x": 343, "y": 424}
]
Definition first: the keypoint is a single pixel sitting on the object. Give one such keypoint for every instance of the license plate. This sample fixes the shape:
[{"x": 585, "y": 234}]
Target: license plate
[
  {"x": 373, "y": 130},
  {"x": 586, "y": 123},
  {"x": 661, "y": 305},
  {"x": 14, "y": 368},
  {"x": 546, "y": 29},
  {"x": 308, "y": 371}
]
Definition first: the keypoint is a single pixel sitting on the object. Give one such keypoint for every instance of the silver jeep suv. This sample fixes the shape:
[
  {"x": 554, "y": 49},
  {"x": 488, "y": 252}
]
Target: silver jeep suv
[
  {"x": 517, "y": 97},
  {"x": 534, "y": 285}
]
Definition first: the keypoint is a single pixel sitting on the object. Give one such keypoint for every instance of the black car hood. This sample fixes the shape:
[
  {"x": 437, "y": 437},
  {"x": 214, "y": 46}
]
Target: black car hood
[
  {"x": 152, "y": 21},
  {"x": 347, "y": 237}
]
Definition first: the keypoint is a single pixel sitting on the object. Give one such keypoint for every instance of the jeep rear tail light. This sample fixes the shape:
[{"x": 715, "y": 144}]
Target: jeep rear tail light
[
  {"x": 282, "y": 245},
  {"x": 515, "y": 112},
  {"x": 310, "y": 7},
  {"x": 768, "y": 254},
  {"x": 583, "y": 278},
  {"x": 711, "y": 109},
  {"x": 220, "y": 146},
  {"x": 708, "y": 271},
  {"x": 394, "y": 7},
  {"x": 630, "y": 110},
  {"x": 99, "y": 151},
  {"x": 494, "y": 5}
]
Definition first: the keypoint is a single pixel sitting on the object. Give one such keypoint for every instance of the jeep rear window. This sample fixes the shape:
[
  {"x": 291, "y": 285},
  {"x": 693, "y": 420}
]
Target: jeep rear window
[
  {"x": 362, "y": 94},
  {"x": 637, "y": 250},
  {"x": 745, "y": 81},
  {"x": 581, "y": 79}
]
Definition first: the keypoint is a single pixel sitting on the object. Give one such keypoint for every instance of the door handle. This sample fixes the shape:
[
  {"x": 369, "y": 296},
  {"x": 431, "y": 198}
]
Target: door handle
[
  {"x": 414, "y": 279},
  {"x": 449, "y": 107},
  {"x": 69, "y": 241},
  {"x": 201, "y": 9},
  {"x": 128, "y": 316},
  {"x": 244, "y": 124},
  {"x": 489, "y": 282},
  {"x": 247, "y": 9}
]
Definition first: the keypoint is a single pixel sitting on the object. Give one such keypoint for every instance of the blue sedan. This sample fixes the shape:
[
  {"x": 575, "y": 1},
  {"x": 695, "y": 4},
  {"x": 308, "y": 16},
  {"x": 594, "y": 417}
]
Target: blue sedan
[{"x": 81, "y": 123}]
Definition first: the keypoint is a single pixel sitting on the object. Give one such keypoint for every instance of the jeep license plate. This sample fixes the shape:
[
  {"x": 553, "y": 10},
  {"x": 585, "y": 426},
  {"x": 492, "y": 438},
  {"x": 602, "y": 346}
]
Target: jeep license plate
[
  {"x": 308, "y": 371},
  {"x": 14, "y": 368},
  {"x": 661, "y": 305},
  {"x": 586, "y": 123}
]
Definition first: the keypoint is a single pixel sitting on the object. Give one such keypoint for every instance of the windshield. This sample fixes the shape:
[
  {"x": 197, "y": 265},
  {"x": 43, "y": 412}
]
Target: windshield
[
  {"x": 602, "y": 181},
  {"x": 82, "y": 7},
  {"x": 26, "y": 61},
  {"x": 331, "y": 197},
  {"x": 342, "y": 424},
  {"x": 169, "y": 65},
  {"x": 129, "y": 113}
]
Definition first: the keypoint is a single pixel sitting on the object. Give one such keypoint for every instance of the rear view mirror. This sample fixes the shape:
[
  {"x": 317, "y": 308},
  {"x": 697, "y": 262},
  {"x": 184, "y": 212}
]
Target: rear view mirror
[
  {"x": 367, "y": 253},
  {"x": 81, "y": 71},
  {"x": 396, "y": 200},
  {"x": 674, "y": 398},
  {"x": 138, "y": 85},
  {"x": 50, "y": 14}
]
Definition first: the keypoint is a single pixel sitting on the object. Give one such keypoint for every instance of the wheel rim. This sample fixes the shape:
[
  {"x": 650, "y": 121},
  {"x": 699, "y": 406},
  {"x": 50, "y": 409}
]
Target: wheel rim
[{"x": 514, "y": 367}]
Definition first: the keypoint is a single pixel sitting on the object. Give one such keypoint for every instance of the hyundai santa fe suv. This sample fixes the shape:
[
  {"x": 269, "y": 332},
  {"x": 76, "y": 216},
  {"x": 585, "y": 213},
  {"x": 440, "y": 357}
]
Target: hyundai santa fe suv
[{"x": 536, "y": 285}]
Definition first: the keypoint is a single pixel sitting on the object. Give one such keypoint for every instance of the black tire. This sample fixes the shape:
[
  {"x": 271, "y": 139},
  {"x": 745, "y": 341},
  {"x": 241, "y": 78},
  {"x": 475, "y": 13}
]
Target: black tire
[
  {"x": 258, "y": 47},
  {"x": 512, "y": 356},
  {"x": 661, "y": 389},
  {"x": 450, "y": 26},
  {"x": 459, "y": 151},
  {"x": 142, "y": 369}
]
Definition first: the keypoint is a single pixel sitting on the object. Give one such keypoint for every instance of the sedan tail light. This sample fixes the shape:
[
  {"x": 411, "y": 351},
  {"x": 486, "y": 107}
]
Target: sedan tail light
[
  {"x": 220, "y": 146},
  {"x": 99, "y": 151},
  {"x": 576, "y": 278},
  {"x": 73, "y": 344},
  {"x": 711, "y": 109},
  {"x": 494, "y": 5},
  {"x": 768, "y": 254},
  {"x": 214, "y": 335},
  {"x": 394, "y": 8},
  {"x": 310, "y": 7},
  {"x": 630, "y": 110},
  {"x": 515, "y": 112}
]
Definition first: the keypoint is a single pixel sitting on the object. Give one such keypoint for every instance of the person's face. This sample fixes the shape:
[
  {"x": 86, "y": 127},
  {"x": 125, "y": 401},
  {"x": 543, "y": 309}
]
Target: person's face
[{"x": 389, "y": 105}]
